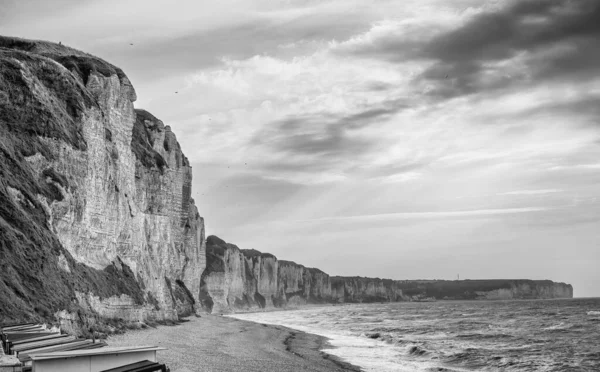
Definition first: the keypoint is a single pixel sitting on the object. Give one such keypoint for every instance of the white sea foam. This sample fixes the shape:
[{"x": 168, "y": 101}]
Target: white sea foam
[
  {"x": 371, "y": 355},
  {"x": 495, "y": 336}
]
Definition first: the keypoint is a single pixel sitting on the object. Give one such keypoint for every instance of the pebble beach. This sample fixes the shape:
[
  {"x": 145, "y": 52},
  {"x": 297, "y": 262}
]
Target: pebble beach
[{"x": 214, "y": 343}]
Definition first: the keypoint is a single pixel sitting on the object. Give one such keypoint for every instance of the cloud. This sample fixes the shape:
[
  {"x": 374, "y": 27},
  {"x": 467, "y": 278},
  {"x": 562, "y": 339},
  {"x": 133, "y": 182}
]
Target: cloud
[
  {"x": 491, "y": 47},
  {"x": 373, "y": 102},
  {"x": 313, "y": 113},
  {"x": 398, "y": 177},
  {"x": 531, "y": 192},
  {"x": 428, "y": 215},
  {"x": 593, "y": 166},
  {"x": 525, "y": 42},
  {"x": 327, "y": 134}
]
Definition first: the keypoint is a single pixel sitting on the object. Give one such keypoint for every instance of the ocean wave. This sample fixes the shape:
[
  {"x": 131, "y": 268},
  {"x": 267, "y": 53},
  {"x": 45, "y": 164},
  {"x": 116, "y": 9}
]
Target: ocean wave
[
  {"x": 484, "y": 336},
  {"x": 558, "y": 327},
  {"x": 392, "y": 329},
  {"x": 470, "y": 357},
  {"x": 416, "y": 351},
  {"x": 379, "y": 336}
]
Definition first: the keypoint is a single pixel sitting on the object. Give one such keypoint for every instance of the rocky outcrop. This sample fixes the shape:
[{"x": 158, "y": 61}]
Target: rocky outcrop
[
  {"x": 96, "y": 215},
  {"x": 358, "y": 289}
]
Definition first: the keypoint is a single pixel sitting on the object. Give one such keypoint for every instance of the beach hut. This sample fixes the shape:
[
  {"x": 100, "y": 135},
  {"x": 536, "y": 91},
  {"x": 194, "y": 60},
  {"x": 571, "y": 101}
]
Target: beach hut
[
  {"x": 94, "y": 360},
  {"x": 145, "y": 366}
]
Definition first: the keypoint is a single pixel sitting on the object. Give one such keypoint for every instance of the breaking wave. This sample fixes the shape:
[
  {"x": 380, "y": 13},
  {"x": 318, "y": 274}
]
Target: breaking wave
[{"x": 455, "y": 336}]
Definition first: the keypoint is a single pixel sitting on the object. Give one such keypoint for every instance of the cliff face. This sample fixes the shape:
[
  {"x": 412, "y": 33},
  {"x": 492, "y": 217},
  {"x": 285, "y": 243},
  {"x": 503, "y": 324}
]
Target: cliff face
[
  {"x": 237, "y": 279},
  {"x": 230, "y": 281},
  {"x": 95, "y": 206},
  {"x": 529, "y": 289},
  {"x": 357, "y": 289},
  {"x": 484, "y": 289},
  {"x": 263, "y": 269},
  {"x": 300, "y": 285}
]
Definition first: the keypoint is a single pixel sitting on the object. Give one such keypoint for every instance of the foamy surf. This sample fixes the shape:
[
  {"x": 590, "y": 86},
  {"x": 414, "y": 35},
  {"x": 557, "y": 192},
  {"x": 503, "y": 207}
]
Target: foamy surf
[
  {"x": 369, "y": 354},
  {"x": 527, "y": 336}
]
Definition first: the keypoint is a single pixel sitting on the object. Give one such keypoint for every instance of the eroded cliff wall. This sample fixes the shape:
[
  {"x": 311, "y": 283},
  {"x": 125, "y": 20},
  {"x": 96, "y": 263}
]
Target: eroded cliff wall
[
  {"x": 299, "y": 285},
  {"x": 238, "y": 280},
  {"x": 229, "y": 282},
  {"x": 358, "y": 289},
  {"x": 96, "y": 213}
]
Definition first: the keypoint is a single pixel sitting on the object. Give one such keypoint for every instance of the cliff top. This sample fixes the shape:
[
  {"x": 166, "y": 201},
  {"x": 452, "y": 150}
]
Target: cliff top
[
  {"x": 292, "y": 263},
  {"x": 76, "y": 61},
  {"x": 288, "y": 263},
  {"x": 250, "y": 253},
  {"x": 218, "y": 246}
]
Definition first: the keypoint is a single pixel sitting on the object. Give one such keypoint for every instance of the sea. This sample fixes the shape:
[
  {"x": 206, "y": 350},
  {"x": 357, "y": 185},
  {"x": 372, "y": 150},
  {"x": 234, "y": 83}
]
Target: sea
[{"x": 449, "y": 336}]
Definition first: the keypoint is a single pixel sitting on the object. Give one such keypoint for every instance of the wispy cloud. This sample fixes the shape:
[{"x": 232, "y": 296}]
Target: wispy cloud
[
  {"x": 531, "y": 192},
  {"x": 424, "y": 215},
  {"x": 576, "y": 166}
]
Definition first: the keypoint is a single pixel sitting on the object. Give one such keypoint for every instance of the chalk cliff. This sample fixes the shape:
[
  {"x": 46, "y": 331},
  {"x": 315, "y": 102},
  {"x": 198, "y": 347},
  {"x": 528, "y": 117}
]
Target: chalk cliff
[
  {"x": 357, "y": 289},
  {"x": 300, "y": 285},
  {"x": 239, "y": 280},
  {"x": 229, "y": 282},
  {"x": 492, "y": 289},
  {"x": 96, "y": 214}
]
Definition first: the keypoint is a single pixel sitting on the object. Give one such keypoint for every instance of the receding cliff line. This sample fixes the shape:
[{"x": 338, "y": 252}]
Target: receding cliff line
[
  {"x": 96, "y": 214},
  {"x": 238, "y": 280},
  {"x": 97, "y": 220}
]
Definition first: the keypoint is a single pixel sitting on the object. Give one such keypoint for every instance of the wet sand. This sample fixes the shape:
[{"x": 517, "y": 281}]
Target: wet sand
[{"x": 214, "y": 343}]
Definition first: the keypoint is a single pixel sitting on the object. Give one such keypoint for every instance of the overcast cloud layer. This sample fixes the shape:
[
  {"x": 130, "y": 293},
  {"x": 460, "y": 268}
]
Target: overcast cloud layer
[{"x": 400, "y": 139}]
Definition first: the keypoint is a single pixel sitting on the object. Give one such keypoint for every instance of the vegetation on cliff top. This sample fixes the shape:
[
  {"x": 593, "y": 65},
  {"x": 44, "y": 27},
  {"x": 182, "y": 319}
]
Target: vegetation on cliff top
[
  {"x": 79, "y": 63},
  {"x": 251, "y": 253}
]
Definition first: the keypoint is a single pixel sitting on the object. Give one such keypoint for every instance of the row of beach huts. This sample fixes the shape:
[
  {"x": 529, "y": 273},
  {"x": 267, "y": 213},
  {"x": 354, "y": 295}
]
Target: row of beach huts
[{"x": 35, "y": 347}]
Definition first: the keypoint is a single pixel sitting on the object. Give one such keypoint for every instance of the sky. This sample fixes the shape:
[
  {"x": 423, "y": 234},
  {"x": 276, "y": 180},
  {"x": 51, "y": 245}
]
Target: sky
[{"x": 396, "y": 139}]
